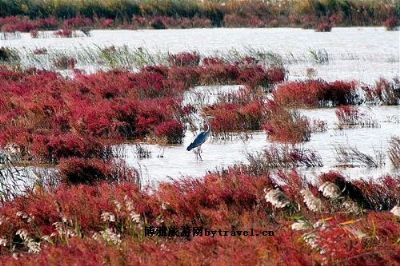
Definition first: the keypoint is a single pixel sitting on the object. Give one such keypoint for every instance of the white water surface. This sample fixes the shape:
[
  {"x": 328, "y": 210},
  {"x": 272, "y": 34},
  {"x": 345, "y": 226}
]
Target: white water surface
[{"x": 355, "y": 53}]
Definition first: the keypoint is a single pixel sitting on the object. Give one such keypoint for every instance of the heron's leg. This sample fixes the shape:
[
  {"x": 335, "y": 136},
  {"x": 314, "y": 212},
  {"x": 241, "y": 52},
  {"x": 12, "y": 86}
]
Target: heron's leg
[
  {"x": 196, "y": 151},
  {"x": 200, "y": 153}
]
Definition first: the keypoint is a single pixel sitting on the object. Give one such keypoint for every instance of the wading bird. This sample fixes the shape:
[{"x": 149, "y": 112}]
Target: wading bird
[{"x": 200, "y": 139}]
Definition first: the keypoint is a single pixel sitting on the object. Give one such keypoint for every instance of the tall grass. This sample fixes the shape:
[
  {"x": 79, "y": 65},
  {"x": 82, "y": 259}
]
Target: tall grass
[
  {"x": 394, "y": 151},
  {"x": 231, "y": 13},
  {"x": 282, "y": 157},
  {"x": 352, "y": 157}
]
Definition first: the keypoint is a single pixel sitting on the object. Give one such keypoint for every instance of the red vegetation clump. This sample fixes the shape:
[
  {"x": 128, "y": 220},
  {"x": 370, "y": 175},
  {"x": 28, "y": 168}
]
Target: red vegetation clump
[
  {"x": 253, "y": 76},
  {"x": 215, "y": 71},
  {"x": 172, "y": 130},
  {"x": 50, "y": 148},
  {"x": 82, "y": 204},
  {"x": 165, "y": 22},
  {"x": 51, "y": 117},
  {"x": 308, "y": 21},
  {"x": 106, "y": 23},
  {"x": 324, "y": 26},
  {"x": 276, "y": 75},
  {"x": 39, "y": 51},
  {"x": 286, "y": 126},
  {"x": 212, "y": 61},
  {"x": 240, "y": 21},
  {"x": 219, "y": 74},
  {"x": 391, "y": 23},
  {"x": 77, "y": 22},
  {"x": 384, "y": 91},
  {"x": 381, "y": 194},
  {"x": 34, "y": 34},
  {"x": 24, "y": 24},
  {"x": 338, "y": 243},
  {"x": 65, "y": 62},
  {"x": 184, "y": 59},
  {"x": 189, "y": 76},
  {"x": 105, "y": 222},
  {"x": 348, "y": 115},
  {"x": 231, "y": 117},
  {"x": 76, "y": 170},
  {"x": 314, "y": 93},
  {"x": 64, "y": 33},
  {"x": 236, "y": 112}
]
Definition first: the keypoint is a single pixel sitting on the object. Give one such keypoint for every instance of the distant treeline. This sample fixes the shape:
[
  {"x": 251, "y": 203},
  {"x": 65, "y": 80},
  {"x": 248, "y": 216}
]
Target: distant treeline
[{"x": 216, "y": 12}]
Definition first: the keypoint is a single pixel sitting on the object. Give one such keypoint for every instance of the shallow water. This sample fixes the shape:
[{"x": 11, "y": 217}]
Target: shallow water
[{"x": 359, "y": 53}]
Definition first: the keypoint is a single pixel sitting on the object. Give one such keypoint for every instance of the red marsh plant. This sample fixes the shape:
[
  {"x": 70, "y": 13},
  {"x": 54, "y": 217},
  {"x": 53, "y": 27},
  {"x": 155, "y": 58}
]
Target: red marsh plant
[
  {"x": 189, "y": 76},
  {"x": 219, "y": 74},
  {"x": 254, "y": 76},
  {"x": 350, "y": 116},
  {"x": 110, "y": 219},
  {"x": 212, "y": 61},
  {"x": 385, "y": 91},
  {"x": 172, "y": 130},
  {"x": 50, "y": 148},
  {"x": 286, "y": 126},
  {"x": 323, "y": 26},
  {"x": 377, "y": 195},
  {"x": 24, "y": 24},
  {"x": 276, "y": 75},
  {"x": 318, "y": 125},
  {"x": 76, "y": 170},
  {"x": 315, "y": 93},
  {"x": 240, "y": 111},
  {"x": 391, "y": 23},
  {"x": 40, "y": 51},
  {"x": 34, "y": 34},
  {"x": 249, "y": 75},
  {"x": 382, "y": 194},
  {"x": 77, "y": 22},
  {"x": 239, "y": 21},
  {"x": 232, "y": 117},
  {"x": 64, "y": 33},
  {"x": 163, "y": 22},
  {"x": 64, "y": 62},
  {"x": 51, "y": 117},
  {"x": 184, "y": 59}
]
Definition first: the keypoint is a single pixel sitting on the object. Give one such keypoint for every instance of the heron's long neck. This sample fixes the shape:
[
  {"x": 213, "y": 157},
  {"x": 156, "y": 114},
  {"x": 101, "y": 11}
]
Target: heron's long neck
[{"x": 208, "y": 126}]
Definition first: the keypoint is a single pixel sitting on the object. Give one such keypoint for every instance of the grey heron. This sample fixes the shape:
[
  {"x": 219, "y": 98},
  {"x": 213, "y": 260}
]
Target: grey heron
[{"x": 200, "y": 139}]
